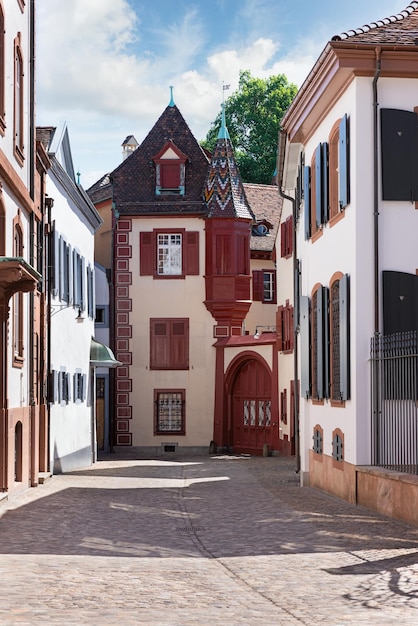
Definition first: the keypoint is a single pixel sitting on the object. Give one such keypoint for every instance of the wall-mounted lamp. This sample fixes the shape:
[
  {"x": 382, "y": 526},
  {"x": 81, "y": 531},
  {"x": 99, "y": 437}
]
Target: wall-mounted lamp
[
  {"x": 80, "y": 318},
  {"x": 266, "y": 329},
  {"x": 56, "y": 308}
]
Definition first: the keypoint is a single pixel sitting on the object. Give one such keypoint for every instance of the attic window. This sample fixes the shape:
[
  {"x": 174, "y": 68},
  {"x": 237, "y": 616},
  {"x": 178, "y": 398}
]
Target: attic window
[
  {"x": 170, "y": 168},
  {"x": 262, "y": 228}
]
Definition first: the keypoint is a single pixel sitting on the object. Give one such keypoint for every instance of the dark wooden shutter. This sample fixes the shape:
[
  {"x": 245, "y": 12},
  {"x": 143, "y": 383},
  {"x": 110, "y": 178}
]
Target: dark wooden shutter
[
  {"x": 289, "y": 235},
  {"x": 191, "y": 253},
  {"x": 399, "y": 140},
  {"x": 147, "y": 254},
  {"x": 279, "y": 328},
  {"x": 318, "y": 186},
  {"x": 319, "y": 341},
  {"x": 400, "y": 302},
  {"x": 305, "y": 346},
  {"x": 326, "y": 346},
  {"x": 170, "y": 175},
  {"x": 258, "y": 285},
  {"x": 345, "y": 337},
  {"x": 283, "y": 239},
  {"x": 179, "y": 353},
  {"x": 307, "y": 197},
  {"x": 325, "y": 182},
  {"x": 344, "y": 162},
  {"x": 159, "y": 344}
]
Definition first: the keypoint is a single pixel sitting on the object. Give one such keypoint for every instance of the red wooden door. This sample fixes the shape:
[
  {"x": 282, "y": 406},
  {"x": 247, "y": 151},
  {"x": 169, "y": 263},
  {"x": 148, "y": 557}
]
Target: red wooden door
[{"x": 251, "y": 408}]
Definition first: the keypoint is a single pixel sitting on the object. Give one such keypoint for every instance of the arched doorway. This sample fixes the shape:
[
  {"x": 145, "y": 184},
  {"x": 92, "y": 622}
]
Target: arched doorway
[{"x": 252, "y": 423}]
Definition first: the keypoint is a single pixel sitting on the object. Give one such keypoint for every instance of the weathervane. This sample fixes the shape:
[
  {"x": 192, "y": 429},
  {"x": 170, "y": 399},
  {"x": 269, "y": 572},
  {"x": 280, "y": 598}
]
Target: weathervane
[{"x": 224, "y": 88}]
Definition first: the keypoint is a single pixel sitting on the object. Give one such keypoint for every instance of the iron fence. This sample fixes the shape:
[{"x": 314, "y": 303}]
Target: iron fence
[{"x": 394, "y": 401}]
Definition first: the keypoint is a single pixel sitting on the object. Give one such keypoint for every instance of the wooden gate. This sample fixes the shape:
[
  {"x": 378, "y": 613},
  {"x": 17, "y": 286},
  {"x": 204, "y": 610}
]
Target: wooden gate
[{"x": 251, "y": 408}]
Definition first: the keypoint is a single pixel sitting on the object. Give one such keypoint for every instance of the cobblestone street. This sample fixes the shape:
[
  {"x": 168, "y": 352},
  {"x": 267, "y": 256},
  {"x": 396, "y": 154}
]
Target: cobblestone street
[{"x": 203, "y": 540}]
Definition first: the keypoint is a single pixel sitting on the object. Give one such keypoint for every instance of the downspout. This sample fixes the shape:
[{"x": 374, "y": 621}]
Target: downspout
[
  {"x": 32, "y": 398},
  {"x": 376, "y": 374},
  {"x": 295, "y": 417},
  {"x": 376, "y": 189}
]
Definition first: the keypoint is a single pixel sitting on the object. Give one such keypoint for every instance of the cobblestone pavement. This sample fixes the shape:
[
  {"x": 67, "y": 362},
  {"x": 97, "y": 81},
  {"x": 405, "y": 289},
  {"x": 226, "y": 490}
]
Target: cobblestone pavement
[{"x": 202, "y": 540}]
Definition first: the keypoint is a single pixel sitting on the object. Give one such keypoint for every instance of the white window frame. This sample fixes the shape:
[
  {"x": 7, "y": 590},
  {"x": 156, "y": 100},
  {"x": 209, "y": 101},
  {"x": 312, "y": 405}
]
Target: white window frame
[{"x": 169, "y": 254}]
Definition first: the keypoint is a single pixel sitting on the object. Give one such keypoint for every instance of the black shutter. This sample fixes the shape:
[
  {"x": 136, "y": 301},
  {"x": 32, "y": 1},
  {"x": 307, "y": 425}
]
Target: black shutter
[
  {"x": 325, "y": 300},
  {"x": 399, "y": 140},
  {"x": 344, "y": 163},
  {"x": 318, "y": 186},
  {"x": 400, "y": 302},
  {"x": 307, "y": 197},
  {"x": 325, "y": 183}
]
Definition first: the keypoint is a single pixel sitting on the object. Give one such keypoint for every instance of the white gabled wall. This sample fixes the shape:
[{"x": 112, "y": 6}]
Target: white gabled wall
[{"x": 71, "y": 424}]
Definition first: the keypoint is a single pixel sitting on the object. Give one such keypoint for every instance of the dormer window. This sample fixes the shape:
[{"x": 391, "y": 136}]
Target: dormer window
[
  {"x": 170, "y": 168},
  {"x": 262, "y": 228}
]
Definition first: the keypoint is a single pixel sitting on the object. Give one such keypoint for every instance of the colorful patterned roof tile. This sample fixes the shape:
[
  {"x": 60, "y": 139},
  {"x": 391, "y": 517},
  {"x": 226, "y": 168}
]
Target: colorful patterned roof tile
[{"x": 224, "y": 191}]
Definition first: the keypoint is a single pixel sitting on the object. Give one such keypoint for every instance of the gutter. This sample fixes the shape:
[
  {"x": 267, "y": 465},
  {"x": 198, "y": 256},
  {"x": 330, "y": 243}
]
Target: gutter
[{"x": 296, "y": 414}]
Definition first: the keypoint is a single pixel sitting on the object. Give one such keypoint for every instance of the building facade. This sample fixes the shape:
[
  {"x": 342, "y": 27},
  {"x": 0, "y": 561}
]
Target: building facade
[
  {"x": 347, "y": 170},
  {"x": 191, "y": 252}
]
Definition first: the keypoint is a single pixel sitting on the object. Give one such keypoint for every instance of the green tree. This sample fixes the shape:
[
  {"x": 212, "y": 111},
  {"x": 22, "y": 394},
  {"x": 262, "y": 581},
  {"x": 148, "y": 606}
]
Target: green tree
[{"x": 253, "y": 114}]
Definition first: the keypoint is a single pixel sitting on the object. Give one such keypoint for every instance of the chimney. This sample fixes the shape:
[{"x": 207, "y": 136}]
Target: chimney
[{"x": 129, "y": 145}]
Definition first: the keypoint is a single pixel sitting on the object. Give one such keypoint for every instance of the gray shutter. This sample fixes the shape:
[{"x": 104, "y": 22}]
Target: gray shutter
[
  {"x": 318, "y": 186},
  {"x": 307, "y": 197},
  {"x": 61, "y": 272},
  {"x": 305, "y": 348},
  {"x": 345, "y": 337},
  {"x": 84, "y": 388},
  {"x": 83, "y": 284},
  {"x": 344, "y": 163}
]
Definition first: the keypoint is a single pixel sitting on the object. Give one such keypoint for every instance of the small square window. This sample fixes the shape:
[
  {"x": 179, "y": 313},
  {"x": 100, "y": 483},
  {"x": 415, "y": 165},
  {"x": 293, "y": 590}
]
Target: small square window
[{"x": 169, "y": 412}]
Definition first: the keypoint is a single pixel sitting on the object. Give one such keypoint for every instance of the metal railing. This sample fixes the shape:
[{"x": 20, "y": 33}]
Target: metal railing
[{"x": 394, "y": 401}]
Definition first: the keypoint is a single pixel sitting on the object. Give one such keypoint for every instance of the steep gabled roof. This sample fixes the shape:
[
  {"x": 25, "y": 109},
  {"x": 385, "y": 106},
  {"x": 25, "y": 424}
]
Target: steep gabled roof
[
  {"x": 400, "y": 29},
  {"x": 100, "y": 190},
  {"x": 134, "y": 179}
]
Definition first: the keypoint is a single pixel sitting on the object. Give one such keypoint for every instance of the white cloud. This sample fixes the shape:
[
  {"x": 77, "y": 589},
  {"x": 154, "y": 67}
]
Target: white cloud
[{"x": 98, "y": 72}]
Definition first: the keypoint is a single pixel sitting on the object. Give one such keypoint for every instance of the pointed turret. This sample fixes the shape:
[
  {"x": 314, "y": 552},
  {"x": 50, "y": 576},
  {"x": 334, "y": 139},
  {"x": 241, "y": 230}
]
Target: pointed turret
[{"x": 224, "y": 191}]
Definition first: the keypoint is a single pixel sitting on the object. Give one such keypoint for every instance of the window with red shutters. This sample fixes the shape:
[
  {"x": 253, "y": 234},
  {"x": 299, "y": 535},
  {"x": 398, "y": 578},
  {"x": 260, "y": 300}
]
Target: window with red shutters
[
  {"x": 169, "y": 343},
  {"x": 149, "y": 249},
  {"x": 286, "y": 238},
  {"x": 264, "y": 286},
  {"x": 284, "y": 327}
]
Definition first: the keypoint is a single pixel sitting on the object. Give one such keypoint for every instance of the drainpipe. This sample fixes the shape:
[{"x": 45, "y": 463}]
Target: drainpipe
[
  {"x": 376, "y": 189},
  {"x": 295, "y": 417},
  {"x": 376, "y": 373}
]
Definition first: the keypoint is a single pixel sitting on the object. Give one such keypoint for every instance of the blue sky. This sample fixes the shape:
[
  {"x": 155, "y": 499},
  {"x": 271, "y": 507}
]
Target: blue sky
[{"x": 104, "y": 67}]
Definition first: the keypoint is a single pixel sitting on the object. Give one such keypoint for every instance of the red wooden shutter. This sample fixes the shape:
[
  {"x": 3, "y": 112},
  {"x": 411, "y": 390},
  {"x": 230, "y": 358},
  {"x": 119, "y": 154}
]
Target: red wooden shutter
[
  {"x": 258, "y": 285},
  {"x": 159, "y": 344},
  {"x": 283, "y": 239},
  {"x": 170, "y": 175},
  {"x": 191, "y": 253},
  {"x": 279, "y": 328},
  {"x": 289, "y": 236},
  {"x": 146, "y": 254},
  {"x": 179, "y": 352}
]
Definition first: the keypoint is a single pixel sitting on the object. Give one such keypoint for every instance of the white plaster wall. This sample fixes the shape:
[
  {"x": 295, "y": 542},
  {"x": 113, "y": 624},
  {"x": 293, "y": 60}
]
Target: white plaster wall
[{"x": 71, "y": 424}]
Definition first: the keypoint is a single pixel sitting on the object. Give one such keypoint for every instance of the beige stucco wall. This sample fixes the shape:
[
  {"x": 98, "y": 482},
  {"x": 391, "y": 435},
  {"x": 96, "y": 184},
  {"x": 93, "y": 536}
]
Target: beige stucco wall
[{"x": 171, "y": 298}]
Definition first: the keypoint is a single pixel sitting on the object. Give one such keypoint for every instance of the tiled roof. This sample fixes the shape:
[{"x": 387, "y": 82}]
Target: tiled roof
[
  {"x": 224, "y": 191},
  {"x": 400, "y": 29},
  {"x": 266, "y": 204},
  {"x": 45, "y": 134},
  {"x": 134, "y": 179},
  {"x": 101, "y": 190}
]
